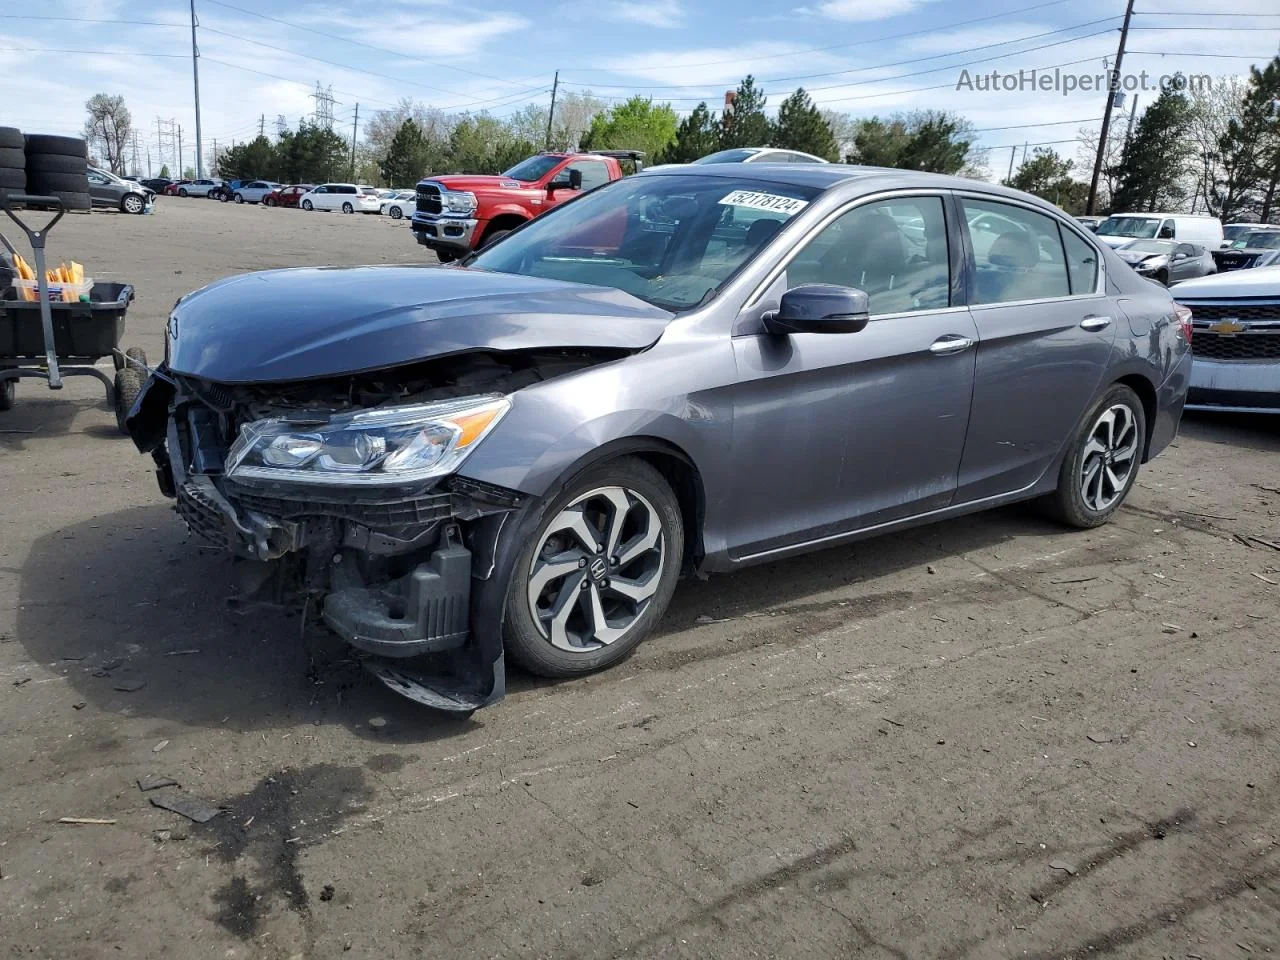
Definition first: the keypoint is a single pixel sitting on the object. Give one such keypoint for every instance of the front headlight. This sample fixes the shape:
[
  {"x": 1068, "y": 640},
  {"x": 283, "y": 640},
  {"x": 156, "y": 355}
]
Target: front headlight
[
  {"x": 393, "y": 445},
  {"x": 1153, "y": 263},
  {"x": 459, "y": 201}
]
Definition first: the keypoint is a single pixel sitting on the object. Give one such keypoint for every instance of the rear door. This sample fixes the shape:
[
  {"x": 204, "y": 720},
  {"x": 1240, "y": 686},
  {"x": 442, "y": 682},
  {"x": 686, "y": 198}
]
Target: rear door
[
  {"x": 1046, "y": 330},
  {"x": 839, "y": 432}
]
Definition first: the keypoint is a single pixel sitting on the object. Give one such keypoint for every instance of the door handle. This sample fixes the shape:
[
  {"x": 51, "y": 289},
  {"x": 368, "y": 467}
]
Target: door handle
[
  {"x": 1095, "y": 323},
  {"x": 949, "y": 344}
]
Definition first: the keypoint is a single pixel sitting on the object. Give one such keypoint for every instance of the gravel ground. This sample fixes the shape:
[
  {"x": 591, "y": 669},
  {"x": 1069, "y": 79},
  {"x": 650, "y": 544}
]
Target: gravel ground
[{"x": 986, "y": 738}]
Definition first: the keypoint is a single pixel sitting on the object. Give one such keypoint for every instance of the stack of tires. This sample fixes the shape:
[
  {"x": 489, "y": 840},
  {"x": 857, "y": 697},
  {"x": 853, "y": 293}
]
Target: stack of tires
[
  {"x": 59, "y": 167},
  {"x": 13, "y": 161}
]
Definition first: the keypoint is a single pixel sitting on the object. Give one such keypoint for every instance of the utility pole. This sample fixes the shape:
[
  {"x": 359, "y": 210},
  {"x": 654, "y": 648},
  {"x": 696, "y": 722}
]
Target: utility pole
[
  {"x": 180, "y": 167},
  {"x": 1133, "y": 112},
  {"x": 195, "y": 75},
  {"x": 1013, "y": 152},
  {"x": 355, "y": 123},
  {"x": 149, "y": 173},
  {"x": 551, "y": 114},
  {"x": 1106, "y": 114},
  {"x": 262, "y": 125}
]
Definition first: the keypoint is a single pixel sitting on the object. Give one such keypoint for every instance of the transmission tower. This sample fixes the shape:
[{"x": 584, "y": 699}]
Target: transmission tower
[
  {"x": 167, "y": 146},
  {"x": 323, "y": 116},
  {"x": 135, "y": 167},
  {"x": 281, "y": 125}
]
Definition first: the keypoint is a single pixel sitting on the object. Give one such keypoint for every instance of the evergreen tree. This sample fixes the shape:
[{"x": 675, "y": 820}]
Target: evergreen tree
[
  {"x": 696, "y": 137},
  {"x": 1149, "y": 176},
  {"x": 1048, "y": 175},
  {"x": 408, "y": 156},
  {"x": 743, "y": 123},
  {"x": 164, "y": 171},
  {"x": 929, "y": 140},
  {"x": 801, "y": 127}
]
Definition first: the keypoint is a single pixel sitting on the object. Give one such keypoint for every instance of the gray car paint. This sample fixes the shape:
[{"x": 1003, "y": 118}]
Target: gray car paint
[{"x": 820, "y": 438}]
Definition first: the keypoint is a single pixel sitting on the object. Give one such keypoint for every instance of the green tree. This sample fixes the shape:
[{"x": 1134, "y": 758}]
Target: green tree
[
  {"x": 743, "y": 123},
  {"x": 311, "y": 154},
  {"x": 636, "y": 124},
  {"x": 1153, "y": 164},
  {"x": 930, "y": 140},
  {"x": 408, "y": 157},
  {"x": 250, "y": 160},
  {"x": 1048, "y": 175},
  {"x": 189, "y": 173},
  {"x": 697, "y": 135},
  {"x": 1253, "y": 141},
  {"x": 164, "y": 171},
  {"x": 801, "y": 126}
]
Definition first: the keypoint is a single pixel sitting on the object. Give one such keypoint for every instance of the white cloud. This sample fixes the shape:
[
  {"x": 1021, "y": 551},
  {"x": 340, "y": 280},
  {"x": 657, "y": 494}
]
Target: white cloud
[
  {"x": 865, "y": 10},
  {"x": 650, "y": 13}
]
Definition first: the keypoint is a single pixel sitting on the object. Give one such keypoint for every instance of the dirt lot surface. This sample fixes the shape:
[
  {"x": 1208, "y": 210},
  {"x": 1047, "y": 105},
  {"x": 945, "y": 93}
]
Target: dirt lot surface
[{"x": 987, "y": 738}]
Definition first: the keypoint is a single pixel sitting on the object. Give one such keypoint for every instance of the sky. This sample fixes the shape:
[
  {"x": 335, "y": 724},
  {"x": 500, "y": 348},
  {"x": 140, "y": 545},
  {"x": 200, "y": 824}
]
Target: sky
[{"x": 263, "y": 58}]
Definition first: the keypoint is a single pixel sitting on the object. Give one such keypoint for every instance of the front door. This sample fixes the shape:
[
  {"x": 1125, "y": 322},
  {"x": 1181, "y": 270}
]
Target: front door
[
  {"x": 1046, "y": 332},
  {"x": 839, "y": 432}
]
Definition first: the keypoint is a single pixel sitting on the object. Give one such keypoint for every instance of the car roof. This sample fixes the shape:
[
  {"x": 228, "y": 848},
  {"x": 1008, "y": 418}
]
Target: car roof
[{"x": 824, "y": 176}]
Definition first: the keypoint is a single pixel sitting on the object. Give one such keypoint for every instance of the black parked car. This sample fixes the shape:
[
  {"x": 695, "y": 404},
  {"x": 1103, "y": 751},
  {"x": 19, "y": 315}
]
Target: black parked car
[
  {"x": 156, "y": 184},
  {"x": 108, "y": 190}
]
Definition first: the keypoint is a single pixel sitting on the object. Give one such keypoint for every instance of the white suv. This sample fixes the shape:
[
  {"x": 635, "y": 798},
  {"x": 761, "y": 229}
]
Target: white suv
[{"x": 347, "y": 197}]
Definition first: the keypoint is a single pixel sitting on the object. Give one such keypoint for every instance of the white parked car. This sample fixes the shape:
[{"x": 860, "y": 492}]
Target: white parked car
[
  {"x": 198, "y": 188},
  {"x": 399, "y": 204},
  {"x": 1235, "y": 341},
  {"x": 255, "y": 190},
  {"x": 347, "y": 197},
  {"x": 1119, "y": 228}
]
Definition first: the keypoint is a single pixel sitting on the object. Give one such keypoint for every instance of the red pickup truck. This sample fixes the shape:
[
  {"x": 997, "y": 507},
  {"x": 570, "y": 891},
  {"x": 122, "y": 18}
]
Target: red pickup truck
[{"x": 459, "y": 213}]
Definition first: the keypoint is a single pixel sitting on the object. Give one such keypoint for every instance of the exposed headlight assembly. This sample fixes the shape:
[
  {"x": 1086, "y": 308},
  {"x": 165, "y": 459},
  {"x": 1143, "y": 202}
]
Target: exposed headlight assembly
[
  {"x": 459, "y": 201},
  {"x": 382, "y": 447}
]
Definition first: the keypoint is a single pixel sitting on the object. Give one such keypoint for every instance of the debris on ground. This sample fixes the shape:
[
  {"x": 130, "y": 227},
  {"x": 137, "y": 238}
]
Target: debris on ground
[
  {"x": 1099, "y": 738},
  {"x": 79, "y": 705},
  {"x": 160, "y": 746},
  {"x": 181, "y": 653},
  {"x": 327, "y": 893},
  {"x": 24, "y": 680},
  {"x": 1062, "y": 865},
  {"x": 129, "y": 686},
  {"x": 1266, "y": 580},
  {"x": 193, "y": 808},
  {"x": 146, "y": 784},
  {"x": 87, "y": 821}
]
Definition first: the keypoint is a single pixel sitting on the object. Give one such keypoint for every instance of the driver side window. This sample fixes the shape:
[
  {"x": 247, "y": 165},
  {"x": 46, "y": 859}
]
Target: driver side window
[{"x": 894, "y": 250}]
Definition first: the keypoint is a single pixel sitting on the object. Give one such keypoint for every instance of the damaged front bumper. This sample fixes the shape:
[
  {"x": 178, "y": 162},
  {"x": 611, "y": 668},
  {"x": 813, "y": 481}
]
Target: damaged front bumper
[{"x": 406, "y": 576}]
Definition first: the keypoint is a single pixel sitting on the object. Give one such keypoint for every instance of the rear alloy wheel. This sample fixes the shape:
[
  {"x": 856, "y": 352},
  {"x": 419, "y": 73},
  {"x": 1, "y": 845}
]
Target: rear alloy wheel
[
  {"x": 598, "y": 573},
  {"x": 348, "y": 208},
  {"x": 182, "y": 192},
  {"x": 132, "y": 203},
  {"x": 306, "y": 205},
  {"x": 1103, "y": 464},
  {"x": 239, "y": 198}
]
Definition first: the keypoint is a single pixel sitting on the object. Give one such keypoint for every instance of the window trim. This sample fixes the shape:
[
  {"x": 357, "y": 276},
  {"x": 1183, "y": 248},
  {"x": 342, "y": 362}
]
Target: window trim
[
  {"x": 1100, "y": 287},
  {"x": 957, "y": 291}
]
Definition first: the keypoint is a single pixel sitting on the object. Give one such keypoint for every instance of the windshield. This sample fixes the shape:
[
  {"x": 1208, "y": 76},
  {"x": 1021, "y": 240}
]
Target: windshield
[
  {"x": 729, "y": 156},
  {"x": 1147, "y": 246},
  {"x": 1129, "y": 227},
  {"x": 1260, "y": 239},
  {"x": 535, "y": 168},
  {"x": 672, "y": 241}
]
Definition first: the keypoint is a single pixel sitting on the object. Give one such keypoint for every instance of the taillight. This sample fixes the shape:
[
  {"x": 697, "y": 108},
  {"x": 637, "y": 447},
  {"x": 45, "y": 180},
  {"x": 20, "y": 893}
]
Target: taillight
[{"x": 1184, "y": 319}]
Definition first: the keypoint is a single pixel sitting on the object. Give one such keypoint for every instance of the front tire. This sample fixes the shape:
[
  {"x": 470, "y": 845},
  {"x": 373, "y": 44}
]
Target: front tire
[
  {"x": 132, "y": 203},
  {"x": 494, "y": 237},
  {"x": 307, "y": 205},
  {"x": 598, "y": 572},
  {"x": 268, "y": 202},
  {"x": 239, "y": 198},
  {"x": 1102, "y": 465},
  {"x": 182, "y": 193},
  {"x": 7, "y": 390}
]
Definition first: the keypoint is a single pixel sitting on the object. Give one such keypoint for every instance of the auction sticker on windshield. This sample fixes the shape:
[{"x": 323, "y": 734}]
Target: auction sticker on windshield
[{"x": 788, "y": 206}]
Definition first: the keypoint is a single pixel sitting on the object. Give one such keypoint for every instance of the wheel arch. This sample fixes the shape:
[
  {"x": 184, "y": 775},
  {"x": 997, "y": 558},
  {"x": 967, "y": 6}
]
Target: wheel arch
[
  {"x": 1146, "y": 391},
  {"x": 503, "y": 221}
]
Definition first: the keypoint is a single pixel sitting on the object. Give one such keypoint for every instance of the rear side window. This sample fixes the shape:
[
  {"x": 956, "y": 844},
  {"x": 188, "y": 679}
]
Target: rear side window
[
  {"x": 1082, "y": 263},
  {"x": 1018, "y": 253}
]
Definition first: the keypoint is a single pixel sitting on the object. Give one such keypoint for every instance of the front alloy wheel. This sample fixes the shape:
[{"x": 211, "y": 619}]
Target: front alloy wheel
[
  {"x": 598, "y": 573},
  {"x": 132, "y": 203},
  {"x": 306, "y": 205},
  {"x": 1102, "y": 465}
]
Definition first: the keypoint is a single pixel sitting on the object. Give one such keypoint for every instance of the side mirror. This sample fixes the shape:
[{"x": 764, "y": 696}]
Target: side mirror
[
  {"x": 1166, "y": 234},
  {"x": 820, "y": 308},
  {"x": 1180, "y": 256},
  {"x": 569, "y": 180}
]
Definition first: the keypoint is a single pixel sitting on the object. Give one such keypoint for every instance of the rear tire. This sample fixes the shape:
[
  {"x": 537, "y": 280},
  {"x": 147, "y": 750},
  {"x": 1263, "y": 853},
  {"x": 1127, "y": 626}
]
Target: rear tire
[
  {"x": 493, "y": 237},
  {"x": 239, "y": 198},
  {"x": 307, "y": 205},
  {"x": 268, "y": 202},
  {"x": 348, "y": 208},
  {"x": 572, "y": 608},
  {"x": 1102, "y": 464},
  {"x": 7, "y": 389},
  {"x": 128, "y": 383}
]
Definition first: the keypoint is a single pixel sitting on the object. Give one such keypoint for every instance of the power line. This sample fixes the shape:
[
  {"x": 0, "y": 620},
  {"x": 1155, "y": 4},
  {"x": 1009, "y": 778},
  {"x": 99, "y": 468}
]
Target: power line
[
  {"x": 873, "y": 66},
  {"x": 1028, "y": 126},
  {"x": 1219, "y": 56},
  {"x": 113, "y": 53},
  {"x": 370, "y": 46},
  {"x": 129, "y": 23}
]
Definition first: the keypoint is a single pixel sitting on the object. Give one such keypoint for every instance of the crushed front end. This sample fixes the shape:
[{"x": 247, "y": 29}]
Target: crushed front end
[{"x": 341, "y": 497}]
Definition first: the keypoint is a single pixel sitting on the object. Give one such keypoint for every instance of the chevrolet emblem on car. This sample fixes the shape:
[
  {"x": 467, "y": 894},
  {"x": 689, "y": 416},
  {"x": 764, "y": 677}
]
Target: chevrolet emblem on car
[{"x": 1228, "y": 326}]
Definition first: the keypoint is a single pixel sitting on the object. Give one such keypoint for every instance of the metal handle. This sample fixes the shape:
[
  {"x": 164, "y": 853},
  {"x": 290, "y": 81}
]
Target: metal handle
[
  {"x": 35, "y": 236},
  {"x": 951, "y": 343},
  {"x": 1095, "y": 323}
]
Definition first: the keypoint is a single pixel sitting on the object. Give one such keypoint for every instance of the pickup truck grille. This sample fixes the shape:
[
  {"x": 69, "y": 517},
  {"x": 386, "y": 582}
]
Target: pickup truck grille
[
  {"x": 1242, "y": 310},
  {"x": 429, "y": 199}
]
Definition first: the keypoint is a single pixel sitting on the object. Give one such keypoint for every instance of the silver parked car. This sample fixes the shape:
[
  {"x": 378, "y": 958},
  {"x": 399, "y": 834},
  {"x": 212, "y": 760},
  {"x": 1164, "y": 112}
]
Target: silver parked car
[
  {"x": 692, "y": 369},
  {"x": 1167, "y": 261}
]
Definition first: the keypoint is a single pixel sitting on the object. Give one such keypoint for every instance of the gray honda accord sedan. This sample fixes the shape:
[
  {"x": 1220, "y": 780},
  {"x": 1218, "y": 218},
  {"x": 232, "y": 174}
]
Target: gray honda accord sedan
[{"x": 693, "y": 369}]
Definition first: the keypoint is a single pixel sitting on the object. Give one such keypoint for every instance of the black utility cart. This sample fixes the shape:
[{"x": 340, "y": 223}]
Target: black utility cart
[{"x": 51, "y": 340}]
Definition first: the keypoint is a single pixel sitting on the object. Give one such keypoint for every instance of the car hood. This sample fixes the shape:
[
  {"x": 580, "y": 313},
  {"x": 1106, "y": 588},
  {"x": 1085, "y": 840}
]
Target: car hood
[
  {"x": 1134, "y": 256},
  {"x": 459, "y": 181},
  {"x": 301, "y": 324},
  {"x": 1258, "y": 282}
]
